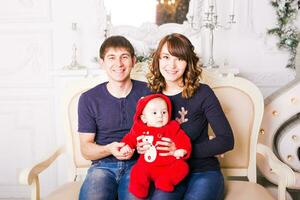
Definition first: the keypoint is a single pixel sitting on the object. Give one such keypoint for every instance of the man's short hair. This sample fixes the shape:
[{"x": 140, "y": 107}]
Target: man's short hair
[{"x": 116, "y": 42}]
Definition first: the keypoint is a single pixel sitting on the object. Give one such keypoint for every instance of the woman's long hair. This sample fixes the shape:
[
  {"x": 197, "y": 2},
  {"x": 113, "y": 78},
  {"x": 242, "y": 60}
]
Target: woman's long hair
[{"x": 181, "y": 47}]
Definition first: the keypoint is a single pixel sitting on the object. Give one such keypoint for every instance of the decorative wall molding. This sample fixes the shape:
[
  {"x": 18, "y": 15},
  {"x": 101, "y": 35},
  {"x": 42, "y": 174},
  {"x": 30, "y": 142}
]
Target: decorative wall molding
[
  {"x": 28, "y": 62},
  {"x": 29, "y": 126},
  {"x": 25, "y": 10}
]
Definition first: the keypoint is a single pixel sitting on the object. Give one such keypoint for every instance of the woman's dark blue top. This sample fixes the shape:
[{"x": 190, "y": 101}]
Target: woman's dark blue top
[{"x": 203, "y": 109}]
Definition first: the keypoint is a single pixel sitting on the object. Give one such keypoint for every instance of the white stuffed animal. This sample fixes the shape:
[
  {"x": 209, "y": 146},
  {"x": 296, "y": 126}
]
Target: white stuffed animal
[{"x": 151, "y": 153}]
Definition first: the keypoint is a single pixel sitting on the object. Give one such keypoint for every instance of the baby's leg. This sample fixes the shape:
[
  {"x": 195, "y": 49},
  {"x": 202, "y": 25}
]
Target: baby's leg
[
  {"x": 139, "y": 181},
  {"x": 171, "y": 176}
]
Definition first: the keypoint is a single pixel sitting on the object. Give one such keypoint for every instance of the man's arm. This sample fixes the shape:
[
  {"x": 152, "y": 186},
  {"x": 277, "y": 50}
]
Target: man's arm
[{"x": 92, "y": 151}]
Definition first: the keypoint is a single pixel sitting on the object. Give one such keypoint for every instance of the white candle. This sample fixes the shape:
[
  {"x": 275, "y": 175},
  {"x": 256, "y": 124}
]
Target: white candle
[
  {"x": 232, "y": 7},
  {"x": 215, "y": 6},
  {"x": 108, "y": 18},
  {"x": 74, "y": 28}
]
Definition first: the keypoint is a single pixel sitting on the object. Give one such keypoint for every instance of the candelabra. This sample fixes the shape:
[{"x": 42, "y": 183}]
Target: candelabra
[
  {"x": 211, "y": 23},
  {"x": 74, "y": 63},
  {"x": 107, "y": 25}
]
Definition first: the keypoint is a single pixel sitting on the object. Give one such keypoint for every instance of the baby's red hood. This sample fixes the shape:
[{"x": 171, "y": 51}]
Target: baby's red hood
[{"x": 143, "y": 102}]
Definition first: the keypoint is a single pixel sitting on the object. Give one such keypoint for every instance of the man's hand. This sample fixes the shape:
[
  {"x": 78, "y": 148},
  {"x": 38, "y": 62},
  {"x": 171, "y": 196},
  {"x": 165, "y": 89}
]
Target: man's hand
[
  {"x": 115, "y": 148},
  {"x": 126, "y": 150}
]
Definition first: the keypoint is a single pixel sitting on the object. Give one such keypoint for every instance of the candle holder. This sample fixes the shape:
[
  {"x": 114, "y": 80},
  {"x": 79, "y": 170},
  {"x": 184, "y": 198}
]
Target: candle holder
[
  {"x": 211, "y": 23},
  {"x": 74, "y": 63}
]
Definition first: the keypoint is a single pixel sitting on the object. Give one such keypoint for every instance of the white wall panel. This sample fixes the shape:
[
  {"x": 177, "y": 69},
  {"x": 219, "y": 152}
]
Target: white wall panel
[
  {"x": 24, "y": 10},
  {"x": 28, "y": 134},
  {"x": 26, "y": 58}
]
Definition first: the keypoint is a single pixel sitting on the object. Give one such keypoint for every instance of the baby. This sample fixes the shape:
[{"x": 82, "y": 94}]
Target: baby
[{"x": 152, "y": 121}]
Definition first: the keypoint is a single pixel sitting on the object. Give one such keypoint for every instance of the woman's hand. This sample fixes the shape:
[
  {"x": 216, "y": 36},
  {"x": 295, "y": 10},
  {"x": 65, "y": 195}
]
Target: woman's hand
[
  {"x": 179, "y": 153},
  {"x": 210, "y": 137},
  {"x": 166, "y": 144}
]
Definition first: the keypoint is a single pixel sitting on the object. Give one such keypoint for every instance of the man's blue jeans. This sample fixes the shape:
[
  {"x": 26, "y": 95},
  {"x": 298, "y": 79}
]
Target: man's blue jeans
[
  {"x": 105, "y": 180},
  {"x": 207, "y": 185}
]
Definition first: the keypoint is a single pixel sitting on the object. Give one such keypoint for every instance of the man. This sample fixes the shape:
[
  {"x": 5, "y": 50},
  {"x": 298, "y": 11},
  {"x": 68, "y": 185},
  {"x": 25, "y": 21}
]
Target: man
[{"x": 105, "y": 115}]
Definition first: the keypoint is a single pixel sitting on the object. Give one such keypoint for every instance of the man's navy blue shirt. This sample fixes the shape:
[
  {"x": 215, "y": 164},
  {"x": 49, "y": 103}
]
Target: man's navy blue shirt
[{"x": 110, "y": 118}]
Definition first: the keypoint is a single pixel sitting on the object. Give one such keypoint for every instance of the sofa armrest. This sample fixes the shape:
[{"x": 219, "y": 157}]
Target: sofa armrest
[
  {"x": 286, "y": 176},
  {"x": 30, "y": 175}
]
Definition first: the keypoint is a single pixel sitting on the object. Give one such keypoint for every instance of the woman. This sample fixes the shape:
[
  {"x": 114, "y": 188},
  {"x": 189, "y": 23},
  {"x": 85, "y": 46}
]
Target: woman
[{"x": 175, "y": 72}]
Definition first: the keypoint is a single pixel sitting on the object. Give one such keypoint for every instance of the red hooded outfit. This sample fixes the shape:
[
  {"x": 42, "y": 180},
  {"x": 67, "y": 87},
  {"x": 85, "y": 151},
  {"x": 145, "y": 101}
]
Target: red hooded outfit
[{"x": 165, "y": 171}]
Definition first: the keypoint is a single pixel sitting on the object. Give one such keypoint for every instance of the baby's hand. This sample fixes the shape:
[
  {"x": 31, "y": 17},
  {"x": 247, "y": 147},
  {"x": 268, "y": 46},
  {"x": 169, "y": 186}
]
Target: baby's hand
[
  {"x": 126, "y": 150},
  {"x": 179, "y": 153}
]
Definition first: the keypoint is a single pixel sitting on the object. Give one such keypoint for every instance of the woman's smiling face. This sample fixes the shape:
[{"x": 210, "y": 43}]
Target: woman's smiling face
[{"x": 171, "y": 67}]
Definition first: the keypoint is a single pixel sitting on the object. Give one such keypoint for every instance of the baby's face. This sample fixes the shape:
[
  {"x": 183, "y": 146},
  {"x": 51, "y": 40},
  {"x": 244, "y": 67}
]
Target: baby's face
[{"x": 155, "y": 113}]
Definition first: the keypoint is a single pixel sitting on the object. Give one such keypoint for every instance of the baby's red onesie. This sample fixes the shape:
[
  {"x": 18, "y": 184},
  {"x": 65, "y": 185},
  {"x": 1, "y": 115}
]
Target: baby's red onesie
[{"x": 165, "y": 171}]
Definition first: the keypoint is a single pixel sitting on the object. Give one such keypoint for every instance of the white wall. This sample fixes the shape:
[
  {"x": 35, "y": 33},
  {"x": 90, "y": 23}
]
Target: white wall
[
  {"x": 36, "y": 40},
  {"x": 26, "y": 98}
]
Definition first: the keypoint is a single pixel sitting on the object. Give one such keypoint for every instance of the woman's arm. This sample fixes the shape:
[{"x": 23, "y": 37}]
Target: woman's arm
[{"x": 223, "y": 140}]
